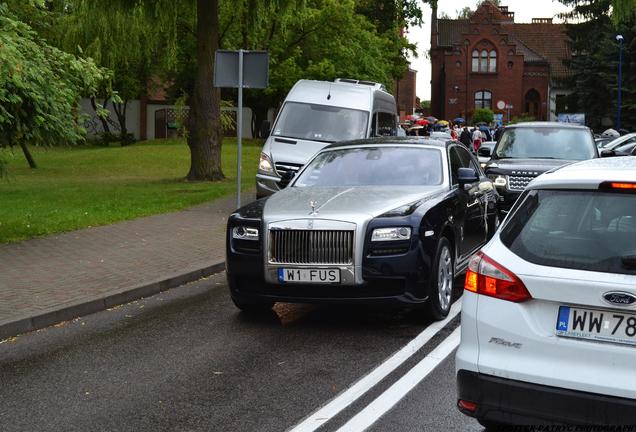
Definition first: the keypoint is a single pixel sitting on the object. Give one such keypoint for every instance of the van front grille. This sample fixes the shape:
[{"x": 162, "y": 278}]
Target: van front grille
[
  {"x": 311, "y": 247},
  {"x": 282, "y": 168}
]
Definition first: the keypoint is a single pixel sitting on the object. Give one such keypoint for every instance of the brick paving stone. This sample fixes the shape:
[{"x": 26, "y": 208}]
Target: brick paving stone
[{"x": 55, "y": 271}]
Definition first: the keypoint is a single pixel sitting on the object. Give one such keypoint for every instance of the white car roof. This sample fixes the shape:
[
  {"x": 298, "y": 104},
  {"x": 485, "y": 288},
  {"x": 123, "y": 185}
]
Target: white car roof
[{"x": 588, "y": 174}]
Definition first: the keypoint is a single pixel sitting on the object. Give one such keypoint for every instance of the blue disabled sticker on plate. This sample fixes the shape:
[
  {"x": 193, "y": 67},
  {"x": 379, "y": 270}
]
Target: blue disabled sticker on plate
[
  {"x": 281, "y": 275},
  {"x": 564, "y": 318}
]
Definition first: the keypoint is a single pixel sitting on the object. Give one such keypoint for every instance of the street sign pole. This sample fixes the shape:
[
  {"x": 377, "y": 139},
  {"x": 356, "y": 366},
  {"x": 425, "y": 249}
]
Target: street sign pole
[
  {"x": 239, "y": 128},
  {"x": 240, "y": 69}
]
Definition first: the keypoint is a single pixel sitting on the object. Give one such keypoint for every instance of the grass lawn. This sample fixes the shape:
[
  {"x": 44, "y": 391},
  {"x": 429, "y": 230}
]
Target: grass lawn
[{"x": 88, "y": 186}]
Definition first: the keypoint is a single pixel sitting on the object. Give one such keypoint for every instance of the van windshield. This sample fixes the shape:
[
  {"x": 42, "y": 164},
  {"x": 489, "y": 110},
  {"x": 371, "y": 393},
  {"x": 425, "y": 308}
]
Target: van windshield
[{"x": 321, "y": 122}]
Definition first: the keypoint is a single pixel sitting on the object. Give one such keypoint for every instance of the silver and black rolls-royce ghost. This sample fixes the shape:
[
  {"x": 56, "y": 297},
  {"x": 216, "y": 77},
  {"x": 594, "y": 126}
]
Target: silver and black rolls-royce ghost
[{"x": 383, "y": 220}]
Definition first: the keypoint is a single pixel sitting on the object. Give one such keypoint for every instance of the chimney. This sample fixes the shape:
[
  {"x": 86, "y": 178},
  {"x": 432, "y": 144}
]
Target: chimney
[
  {"x": 434, "y": 26},
  {"x": 541, "y": 20}
]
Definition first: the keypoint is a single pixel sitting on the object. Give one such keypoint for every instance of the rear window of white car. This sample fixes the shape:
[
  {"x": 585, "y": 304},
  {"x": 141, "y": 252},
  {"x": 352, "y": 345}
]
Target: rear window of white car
[{"x": 582, "y": 229}]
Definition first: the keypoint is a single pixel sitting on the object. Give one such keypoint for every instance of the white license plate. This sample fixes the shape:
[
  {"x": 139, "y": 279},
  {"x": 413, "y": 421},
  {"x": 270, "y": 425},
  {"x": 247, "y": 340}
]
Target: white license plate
[
  {"x": 598, "y": 325},
  {"x": 309, "y": 275}
]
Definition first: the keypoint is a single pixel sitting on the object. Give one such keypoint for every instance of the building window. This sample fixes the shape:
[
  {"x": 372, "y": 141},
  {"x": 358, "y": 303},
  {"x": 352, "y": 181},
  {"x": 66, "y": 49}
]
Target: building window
[
  {"x": 492, "y": 61},
  {"x": 484, "y": 61},
  {"x": 483, "y": 99}
]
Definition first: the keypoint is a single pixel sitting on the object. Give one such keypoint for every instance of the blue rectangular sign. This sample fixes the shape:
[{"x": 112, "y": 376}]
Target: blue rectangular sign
[{"x": 572, "y": 118}]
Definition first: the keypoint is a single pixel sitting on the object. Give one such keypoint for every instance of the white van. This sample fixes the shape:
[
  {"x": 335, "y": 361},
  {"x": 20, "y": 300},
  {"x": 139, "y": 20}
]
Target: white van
[{"x": 315, "y": 114}]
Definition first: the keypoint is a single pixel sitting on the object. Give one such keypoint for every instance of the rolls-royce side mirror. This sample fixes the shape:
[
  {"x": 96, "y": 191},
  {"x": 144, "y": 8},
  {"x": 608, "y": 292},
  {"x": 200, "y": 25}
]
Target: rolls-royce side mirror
[
  {"x": 484, "y": 152},
  {"x": 467, "y": 176}
]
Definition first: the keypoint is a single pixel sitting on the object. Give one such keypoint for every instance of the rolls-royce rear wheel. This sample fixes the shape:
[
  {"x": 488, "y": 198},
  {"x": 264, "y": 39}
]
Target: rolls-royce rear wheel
[{"x": 440, "y": 290}]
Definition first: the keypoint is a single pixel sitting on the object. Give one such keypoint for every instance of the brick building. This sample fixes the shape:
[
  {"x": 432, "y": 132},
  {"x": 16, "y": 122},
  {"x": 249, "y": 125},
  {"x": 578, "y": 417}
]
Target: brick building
[
  {"x": 489, "y": 60},
  {"x": 404, "y": 92}
]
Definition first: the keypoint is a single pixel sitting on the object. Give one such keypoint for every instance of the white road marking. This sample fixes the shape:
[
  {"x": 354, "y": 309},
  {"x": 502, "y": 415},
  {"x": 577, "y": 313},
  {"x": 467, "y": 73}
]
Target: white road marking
[
  {"x": 403, "y": 386},
  {"x": 364, "y": 384}
]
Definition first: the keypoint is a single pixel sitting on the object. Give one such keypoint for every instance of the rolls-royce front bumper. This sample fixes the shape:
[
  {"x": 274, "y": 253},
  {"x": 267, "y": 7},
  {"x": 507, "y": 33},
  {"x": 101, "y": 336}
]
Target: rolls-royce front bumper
[{"x": 396, "y": 274}]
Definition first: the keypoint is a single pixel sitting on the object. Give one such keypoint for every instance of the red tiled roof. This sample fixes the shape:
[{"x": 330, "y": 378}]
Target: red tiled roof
[
  {"x": 450, "y": 31},
  {"x": 548, "y": 40},
  {"x": 539, "y": 41}
]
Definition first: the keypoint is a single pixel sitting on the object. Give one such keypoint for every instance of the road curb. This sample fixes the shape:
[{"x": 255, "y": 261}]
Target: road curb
[{"x": 45, "y": 318}]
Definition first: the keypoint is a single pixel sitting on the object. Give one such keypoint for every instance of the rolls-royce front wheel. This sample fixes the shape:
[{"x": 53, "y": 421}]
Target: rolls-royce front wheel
[{"x": 440, "y": 290}]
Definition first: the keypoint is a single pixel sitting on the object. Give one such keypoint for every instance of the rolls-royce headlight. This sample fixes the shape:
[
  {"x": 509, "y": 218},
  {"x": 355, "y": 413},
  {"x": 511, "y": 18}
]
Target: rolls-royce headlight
[
  {"x": 391, "y": 234},
  {"x": 245, "y": 233},
  {"x": 265, "y": 164}
]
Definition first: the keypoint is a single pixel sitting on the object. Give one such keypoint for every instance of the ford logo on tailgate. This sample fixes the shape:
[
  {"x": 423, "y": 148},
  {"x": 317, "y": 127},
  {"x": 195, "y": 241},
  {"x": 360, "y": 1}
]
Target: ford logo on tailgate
[{"x": 618, "y": 298}]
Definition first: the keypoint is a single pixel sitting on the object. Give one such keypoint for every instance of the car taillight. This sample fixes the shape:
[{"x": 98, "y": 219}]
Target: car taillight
[
  {"x": 484, "y": 276},
  {"x": 623, "y": 185}
]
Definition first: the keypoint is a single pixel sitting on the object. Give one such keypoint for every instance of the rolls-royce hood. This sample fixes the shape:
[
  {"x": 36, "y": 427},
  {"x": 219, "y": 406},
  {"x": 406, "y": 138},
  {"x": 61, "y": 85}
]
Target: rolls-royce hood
[
  {"x": 529, "y": 167},
  {"x": 340, "y": 202}
]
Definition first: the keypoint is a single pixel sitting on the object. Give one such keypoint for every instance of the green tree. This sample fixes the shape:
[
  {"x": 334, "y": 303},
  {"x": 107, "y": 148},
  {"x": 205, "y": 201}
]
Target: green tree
[
  {"x": 40, "y": 87},
  {"x": 483, "y": 115},
  {"x": 594, "y": 62},
  {"x": 323, "y": 40}
]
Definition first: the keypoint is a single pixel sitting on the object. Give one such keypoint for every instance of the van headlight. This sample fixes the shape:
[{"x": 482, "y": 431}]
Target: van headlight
[
  {"x": 391, "y": 234},
  {"x": 245, "y": 233},
  {"x": 265, "y": 164}
]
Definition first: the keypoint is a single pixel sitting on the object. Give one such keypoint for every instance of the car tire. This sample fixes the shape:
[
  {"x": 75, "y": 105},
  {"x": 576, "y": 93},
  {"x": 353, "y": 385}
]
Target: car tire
[
  {"x": 492, "y": 426},
  {"x": 253, "y": 307},
  {"x": 440, "y": 288}
]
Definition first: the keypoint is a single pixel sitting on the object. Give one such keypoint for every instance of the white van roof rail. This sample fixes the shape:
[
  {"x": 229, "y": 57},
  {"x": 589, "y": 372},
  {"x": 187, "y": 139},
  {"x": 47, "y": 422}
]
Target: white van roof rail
[{"x": 378, "y": 86}]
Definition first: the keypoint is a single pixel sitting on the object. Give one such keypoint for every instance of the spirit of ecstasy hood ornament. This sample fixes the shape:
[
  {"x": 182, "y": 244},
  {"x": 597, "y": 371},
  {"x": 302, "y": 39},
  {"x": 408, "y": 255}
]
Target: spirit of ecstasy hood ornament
[{"x": 313, "y": 204}]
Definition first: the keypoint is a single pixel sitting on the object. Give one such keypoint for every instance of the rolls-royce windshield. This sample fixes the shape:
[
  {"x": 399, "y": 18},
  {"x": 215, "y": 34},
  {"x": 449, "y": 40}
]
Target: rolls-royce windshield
[{"x": 377, "y": 166}]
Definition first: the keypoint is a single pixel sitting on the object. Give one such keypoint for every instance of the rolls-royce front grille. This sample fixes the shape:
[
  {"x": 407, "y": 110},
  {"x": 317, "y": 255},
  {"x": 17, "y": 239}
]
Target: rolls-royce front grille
[
  {"x": 518, "y": 183},
  {"x": 282, "y": 168},
  {"x": 311, "y": 247}
]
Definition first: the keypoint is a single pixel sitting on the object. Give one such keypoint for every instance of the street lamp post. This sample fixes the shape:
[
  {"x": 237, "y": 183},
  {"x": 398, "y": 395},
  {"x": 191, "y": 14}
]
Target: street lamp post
[{"x": 619, "y": 38}]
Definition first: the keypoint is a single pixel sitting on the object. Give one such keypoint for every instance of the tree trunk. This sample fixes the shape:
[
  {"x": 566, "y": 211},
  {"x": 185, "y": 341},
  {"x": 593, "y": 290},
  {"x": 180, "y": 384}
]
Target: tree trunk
[
  {"x": 27, "y": 155},
  {"x": 101, "y": 119},
  {"x": 120, "y": 113},
  {"x": 205, "y": 136}
]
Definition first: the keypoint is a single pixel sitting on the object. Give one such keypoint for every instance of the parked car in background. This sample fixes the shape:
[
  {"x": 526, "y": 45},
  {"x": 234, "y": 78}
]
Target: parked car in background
[
  {"x": 622, "y": 146},
  {"x": 621, "y": 141},
  {"x": 527, "y": 150},
  {"x": 549, "y": 308},
  {"x": 441, "y": 135},
  {"x": 602, "y": 141},
  {"x": 389, "y": 220},
  {"x": 315, "y": 114}
]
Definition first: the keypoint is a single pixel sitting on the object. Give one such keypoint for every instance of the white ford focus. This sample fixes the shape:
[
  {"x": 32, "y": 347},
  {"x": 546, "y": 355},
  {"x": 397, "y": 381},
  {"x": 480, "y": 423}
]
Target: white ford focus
[{"x": 549, "y": 309}]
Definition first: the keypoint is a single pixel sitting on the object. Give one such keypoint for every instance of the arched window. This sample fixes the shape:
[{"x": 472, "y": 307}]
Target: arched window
[
  {"x": 484, "y": 61},
  {"x": 492, "y": 61},
  {"x": 483, "y": 99}
]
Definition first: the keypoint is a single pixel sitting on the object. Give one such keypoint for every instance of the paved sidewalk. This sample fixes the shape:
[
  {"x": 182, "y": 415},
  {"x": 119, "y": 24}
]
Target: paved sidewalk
[{"x": 43, "y": 276}]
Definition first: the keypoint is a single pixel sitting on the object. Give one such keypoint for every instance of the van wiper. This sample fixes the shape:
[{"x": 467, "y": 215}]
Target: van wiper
[{"x": 629, "y": 262}]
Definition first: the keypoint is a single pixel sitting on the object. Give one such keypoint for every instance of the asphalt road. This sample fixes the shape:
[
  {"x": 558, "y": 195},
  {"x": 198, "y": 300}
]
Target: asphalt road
[{"x": 187, "y": 360}]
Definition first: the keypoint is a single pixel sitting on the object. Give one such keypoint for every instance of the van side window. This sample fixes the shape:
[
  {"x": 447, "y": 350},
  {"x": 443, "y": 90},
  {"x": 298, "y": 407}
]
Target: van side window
[{"x": 387, "y": 125}]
